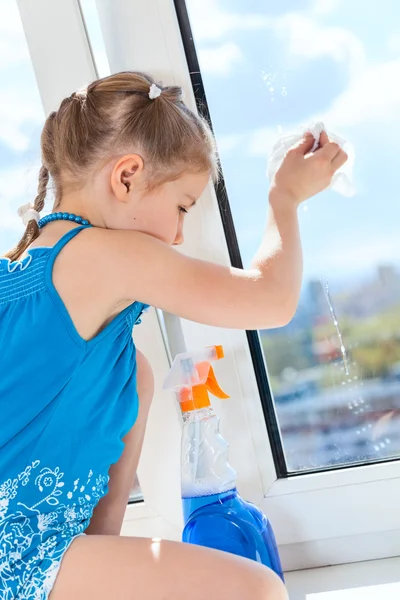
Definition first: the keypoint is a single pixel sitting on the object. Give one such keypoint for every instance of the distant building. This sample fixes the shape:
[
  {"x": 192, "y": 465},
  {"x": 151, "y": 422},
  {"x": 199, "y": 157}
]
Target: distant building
[{"x": 317, "y": 298}]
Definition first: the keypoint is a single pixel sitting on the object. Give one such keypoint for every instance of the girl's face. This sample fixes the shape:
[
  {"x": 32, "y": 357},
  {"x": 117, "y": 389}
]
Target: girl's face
[
  {"x": 161, "y": 212},
  {"x": 129, "y": 204}
]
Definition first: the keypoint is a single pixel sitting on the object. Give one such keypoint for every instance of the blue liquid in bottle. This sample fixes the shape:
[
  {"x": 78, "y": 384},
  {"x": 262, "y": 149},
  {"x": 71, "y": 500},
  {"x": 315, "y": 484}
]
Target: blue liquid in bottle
[{"x": 226, "y": 522}]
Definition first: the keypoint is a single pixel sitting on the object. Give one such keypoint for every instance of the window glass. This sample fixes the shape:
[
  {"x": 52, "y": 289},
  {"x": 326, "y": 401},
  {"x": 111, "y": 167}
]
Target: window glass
[
  {"x": 95, "y": 36},
  {"x": 268, "y": 68},
  {"x": 21, "y": 121}
]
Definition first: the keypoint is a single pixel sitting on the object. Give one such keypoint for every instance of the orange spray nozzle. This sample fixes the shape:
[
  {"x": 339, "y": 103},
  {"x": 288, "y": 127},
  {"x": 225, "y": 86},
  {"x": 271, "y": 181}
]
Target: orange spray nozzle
[
  {"x": 197, "y": 397},
  {"x": 192, "y": 378}
]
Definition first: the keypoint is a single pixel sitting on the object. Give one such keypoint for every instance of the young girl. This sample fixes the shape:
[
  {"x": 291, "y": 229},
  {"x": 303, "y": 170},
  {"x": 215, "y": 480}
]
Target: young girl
[{"x": 128, "y": 160}]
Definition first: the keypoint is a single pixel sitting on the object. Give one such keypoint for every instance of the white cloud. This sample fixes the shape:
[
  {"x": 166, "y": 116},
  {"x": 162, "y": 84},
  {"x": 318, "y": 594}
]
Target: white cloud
[
  {"x": 255, "y": 143},
  {"x": 373, "y": 98},
  {"x": 221, "y": 59},
  {"x": 17, "y": 186},
  {"x": 324, "y": 7},
  {"x": 228, "y": 143},
  {"x": 11, "y": 34},
  {"x": 372, "y": 95},
  {"x": 210, "y": 22},
  {"x": 18, "y": 104},
  {"x": 303, "y": 35},
  {"x": 354, "y": 254},
  {"x": 11, "y": 222},
  {"x": 261, "y": 141},
  {"x": 19, "y": 97},
  {"x": 393, "y": 44}
]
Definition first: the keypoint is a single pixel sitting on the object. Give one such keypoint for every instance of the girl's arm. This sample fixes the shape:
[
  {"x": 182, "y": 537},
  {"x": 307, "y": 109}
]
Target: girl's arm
[{"x": 139, "y": 267}]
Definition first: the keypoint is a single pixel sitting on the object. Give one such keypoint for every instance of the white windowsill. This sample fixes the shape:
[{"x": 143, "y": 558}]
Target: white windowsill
[
  {"x": 357, "y": 581},
  {"x": 339, "y": 477}
]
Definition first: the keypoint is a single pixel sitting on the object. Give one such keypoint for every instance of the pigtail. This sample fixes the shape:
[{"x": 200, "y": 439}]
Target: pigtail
[{"x": 32, "y": 228}]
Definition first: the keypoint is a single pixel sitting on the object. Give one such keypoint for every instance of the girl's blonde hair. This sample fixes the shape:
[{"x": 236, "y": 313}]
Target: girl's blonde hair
[{"x": 112, "y": 116}]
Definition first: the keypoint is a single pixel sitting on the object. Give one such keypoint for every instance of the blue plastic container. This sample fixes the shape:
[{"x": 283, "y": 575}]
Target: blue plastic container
[
  {"x": 214, "y": 513},
  {"x": 226, "y": 522}
]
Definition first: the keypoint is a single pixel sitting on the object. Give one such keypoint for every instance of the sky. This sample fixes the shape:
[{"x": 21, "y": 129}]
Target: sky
[
  {"x": 271, "y": 67},
  {"x": 268, "y": 68},
  {"x": 21, "y": 120}
]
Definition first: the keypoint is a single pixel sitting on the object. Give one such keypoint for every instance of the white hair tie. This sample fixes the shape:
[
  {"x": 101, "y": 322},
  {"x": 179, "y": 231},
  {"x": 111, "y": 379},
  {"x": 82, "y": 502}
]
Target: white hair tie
[
  {"x": 28, "y": 213},
  {"x": 154, "y": 92}
]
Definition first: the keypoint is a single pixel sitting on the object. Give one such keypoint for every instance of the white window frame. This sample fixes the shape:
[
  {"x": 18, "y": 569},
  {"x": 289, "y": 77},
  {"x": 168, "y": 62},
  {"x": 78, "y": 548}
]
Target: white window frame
[{"x": 325, "y": 518}]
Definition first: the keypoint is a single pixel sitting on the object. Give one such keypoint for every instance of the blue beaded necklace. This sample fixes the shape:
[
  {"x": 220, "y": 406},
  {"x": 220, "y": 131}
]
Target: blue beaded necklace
[{"x": 62, "y": 216}]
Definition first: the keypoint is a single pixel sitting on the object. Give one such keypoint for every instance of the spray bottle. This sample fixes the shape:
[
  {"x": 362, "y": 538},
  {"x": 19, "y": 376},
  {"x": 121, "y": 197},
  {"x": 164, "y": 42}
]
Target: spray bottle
[{"x": 214, "y": 513}]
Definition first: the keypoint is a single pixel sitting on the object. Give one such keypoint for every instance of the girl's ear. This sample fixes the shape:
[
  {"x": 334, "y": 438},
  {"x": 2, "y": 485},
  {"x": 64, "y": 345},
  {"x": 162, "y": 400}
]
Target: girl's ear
[{"x": 126, "y": 176}]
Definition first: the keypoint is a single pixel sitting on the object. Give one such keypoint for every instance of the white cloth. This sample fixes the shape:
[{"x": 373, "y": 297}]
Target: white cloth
[
  {"x": 342, "y": 181},
  {"x": 28, "y": 213}
]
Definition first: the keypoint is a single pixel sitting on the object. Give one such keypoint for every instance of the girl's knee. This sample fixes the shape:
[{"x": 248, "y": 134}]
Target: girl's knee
[
  {"x": 271, "y": 588},
  {"x": 263, "y": 584}
]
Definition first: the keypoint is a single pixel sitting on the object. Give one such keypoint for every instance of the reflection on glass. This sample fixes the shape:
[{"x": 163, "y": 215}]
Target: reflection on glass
[
  {"x": 329, "y": 416},
  {"x": 268, "y": 68}
]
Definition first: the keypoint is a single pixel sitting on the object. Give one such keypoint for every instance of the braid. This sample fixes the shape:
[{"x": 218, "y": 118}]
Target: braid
[
  {"x": 42, "y": 189},
  {"x": 32, "y": 229}
]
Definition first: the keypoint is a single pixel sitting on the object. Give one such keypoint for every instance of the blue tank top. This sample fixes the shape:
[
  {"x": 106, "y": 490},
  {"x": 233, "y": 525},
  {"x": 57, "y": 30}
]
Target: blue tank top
[{"x": 65, "y": 404}]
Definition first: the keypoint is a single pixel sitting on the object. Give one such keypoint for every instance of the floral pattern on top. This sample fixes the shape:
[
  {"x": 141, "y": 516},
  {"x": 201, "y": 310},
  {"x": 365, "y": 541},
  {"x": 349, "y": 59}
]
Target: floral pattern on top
[{"x": 34, "y": 536}]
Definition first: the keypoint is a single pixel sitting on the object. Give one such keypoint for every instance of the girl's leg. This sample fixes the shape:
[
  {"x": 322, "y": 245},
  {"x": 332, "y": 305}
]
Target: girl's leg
[
  {"x": 109, "y": 513},
  {"x": 101, "y": 567}
]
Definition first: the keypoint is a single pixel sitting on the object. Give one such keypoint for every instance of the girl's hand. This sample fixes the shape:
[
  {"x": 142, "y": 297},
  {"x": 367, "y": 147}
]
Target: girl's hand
[{"x": 304, "y": 174}]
